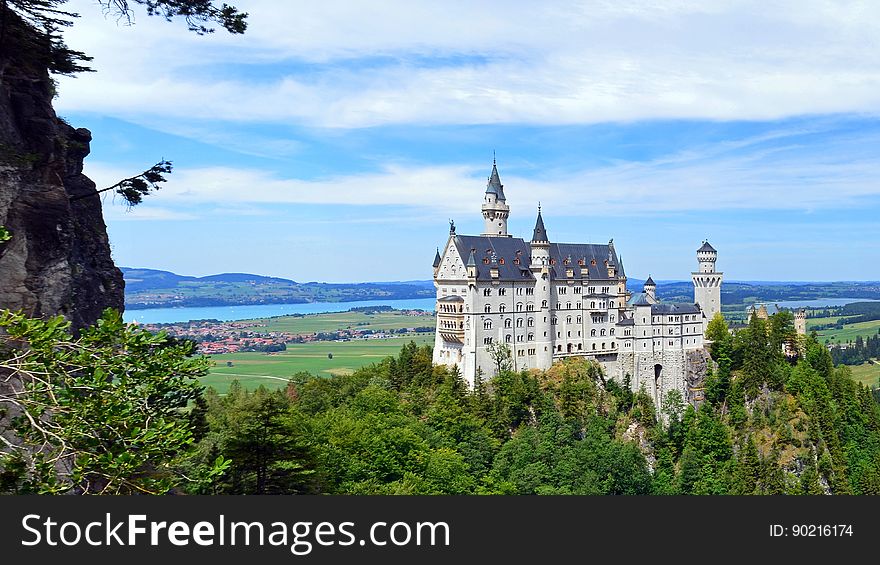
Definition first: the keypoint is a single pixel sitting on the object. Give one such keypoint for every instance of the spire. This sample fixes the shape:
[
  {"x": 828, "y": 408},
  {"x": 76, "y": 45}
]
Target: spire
[
  {"x": 650, "y": 281},
  {"x": 540, "y": 234},
  {"x": 437, "y": 258},
  {"x": 494, "y": 185},
  {"x": 472, "y": 260}
]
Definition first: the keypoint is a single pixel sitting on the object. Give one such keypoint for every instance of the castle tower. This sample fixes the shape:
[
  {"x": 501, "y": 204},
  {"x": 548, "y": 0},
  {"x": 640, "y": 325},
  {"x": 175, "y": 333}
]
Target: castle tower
[
  {"x": 707, "y": 283},
  {"x": 540, "y": 267},
  {"x": 495, "y": 208},
  {"x": 800, "y": 322},
  {"x": 650, "y": 289}
]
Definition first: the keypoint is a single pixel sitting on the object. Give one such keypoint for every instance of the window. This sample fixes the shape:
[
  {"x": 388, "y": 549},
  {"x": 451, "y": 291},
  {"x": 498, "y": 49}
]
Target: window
[
  {"x": 519, "y": 322},
  {"x": 578, "y": 319},
  {"x": 553, "y": 321},
  {"x": 578, "y": 289},
  {"x": 578, "y": 306},
  {"x": 562, "y": 290},
  {"x": 531, "y": 337},
  {"x": 519, "y": 337},
  {"x": 602, "y": 333},
  {"x": 487, "y": 340},
  {"x": 502, "y": 308},
  {"x": 502, "y": 291},
  {"x": 507, "y": 338},
  {"x": 594, "y": 347},
  {"x": 530, "y": 291},
  {"x": 531, "y": 351},
  {"x": 530, "y": 307},
  {"x": 487, "y": 324},
  {"x": 508, "y": 323},
  {"x": 611, "y": 331},
  {"x": 519, "y": 352},
  {"x": 519, "y": 306},
  {"x": 531, "y": 322},
  {"x": 603, "y": 346},
  {"x": 519, "y": 291},
  {"x": 568, "y": 320},
  {"x": 592, "y": 333},
  {"x": 592, "y": 304},
  {"x": 488, "y": 308},
  {"x": 543, "y": 304},
  {"x": 487, "y": 292},
  {"x": 568, "y": 305}
]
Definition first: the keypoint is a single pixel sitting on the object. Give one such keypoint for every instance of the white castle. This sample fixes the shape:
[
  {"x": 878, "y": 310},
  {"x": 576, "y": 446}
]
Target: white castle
[{"x": 546, "y": 301}]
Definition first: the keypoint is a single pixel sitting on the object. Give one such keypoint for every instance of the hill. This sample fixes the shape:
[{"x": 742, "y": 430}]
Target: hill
[{"x": 151, "y": 288}]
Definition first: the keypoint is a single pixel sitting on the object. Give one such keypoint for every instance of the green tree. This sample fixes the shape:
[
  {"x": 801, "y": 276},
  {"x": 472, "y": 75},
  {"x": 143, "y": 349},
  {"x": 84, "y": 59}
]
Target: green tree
[{"x": 101, "y": 413}]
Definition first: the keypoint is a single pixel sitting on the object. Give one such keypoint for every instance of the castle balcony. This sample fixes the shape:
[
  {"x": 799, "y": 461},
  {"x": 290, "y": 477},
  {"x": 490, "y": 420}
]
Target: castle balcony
[{"x": 450, "y": 319}]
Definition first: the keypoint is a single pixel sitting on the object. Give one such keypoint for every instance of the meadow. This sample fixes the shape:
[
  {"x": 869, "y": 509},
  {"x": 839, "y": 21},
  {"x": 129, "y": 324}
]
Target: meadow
[
  {"x": 274, "y": 369},
  {"x": 867, "y": 374},
  {"x": 849, "y": 332},
  {"x": 331, "y": 322}
]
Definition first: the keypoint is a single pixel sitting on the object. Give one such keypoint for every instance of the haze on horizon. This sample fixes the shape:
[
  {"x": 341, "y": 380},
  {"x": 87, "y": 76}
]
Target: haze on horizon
[{"x": 333, "y": 141}]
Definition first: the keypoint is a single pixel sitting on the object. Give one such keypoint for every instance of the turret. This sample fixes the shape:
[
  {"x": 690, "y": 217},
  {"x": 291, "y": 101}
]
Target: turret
[
  {"x": 707, "y": 283},
  {"x": 495, "y": 208},
  {"x": 472, "y": 266},
  {"x": 706, "y": 256},
  {"x": 540, "y": 266},
  {"x": 436, "y": 262},
  {"x": 650, "y": 288},
  {"x": 540, "y": 244},
  {"x": 800, "y": 322}
]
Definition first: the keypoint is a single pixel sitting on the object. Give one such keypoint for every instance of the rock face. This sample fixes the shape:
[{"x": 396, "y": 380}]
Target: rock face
[{"x": 58, "y": 260}]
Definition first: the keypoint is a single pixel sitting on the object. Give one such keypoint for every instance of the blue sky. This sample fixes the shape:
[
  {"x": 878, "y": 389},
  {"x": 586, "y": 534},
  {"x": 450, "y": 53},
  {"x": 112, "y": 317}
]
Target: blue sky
[{"x": 333, "y": 141}]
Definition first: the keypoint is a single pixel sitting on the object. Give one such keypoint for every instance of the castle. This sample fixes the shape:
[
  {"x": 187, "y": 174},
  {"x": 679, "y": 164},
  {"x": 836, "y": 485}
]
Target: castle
[{"x": 546, "y": 301}]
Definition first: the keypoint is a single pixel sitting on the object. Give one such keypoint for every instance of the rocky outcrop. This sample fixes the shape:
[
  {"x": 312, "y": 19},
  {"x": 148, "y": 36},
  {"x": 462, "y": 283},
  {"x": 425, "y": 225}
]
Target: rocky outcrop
[{"x": 58, "y": 260}]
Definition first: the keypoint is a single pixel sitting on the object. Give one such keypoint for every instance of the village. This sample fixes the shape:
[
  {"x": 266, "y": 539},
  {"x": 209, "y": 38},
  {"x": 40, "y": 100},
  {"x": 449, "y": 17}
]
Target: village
[{"x": 215, "y": 337}]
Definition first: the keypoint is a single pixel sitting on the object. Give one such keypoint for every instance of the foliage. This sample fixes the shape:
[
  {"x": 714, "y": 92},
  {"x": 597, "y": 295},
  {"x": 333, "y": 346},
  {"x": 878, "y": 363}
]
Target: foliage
[
  {"x": 101, "y": 413},
  {"x": 4, "y": 235}
]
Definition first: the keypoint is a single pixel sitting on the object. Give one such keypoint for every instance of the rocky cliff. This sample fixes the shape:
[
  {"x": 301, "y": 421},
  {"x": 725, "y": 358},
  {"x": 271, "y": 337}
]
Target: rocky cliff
[{"x": 58, "y": 260}]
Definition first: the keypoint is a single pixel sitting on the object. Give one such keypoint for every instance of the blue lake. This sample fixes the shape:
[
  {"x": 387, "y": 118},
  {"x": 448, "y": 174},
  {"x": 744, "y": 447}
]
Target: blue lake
[
  {"x": 819, "y": 302},
  {"x": 229, "y": 313}
]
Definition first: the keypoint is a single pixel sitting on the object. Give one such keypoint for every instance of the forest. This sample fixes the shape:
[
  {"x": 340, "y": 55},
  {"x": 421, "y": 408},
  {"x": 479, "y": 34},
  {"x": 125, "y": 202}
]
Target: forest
[{"x": 93, "y": 421}]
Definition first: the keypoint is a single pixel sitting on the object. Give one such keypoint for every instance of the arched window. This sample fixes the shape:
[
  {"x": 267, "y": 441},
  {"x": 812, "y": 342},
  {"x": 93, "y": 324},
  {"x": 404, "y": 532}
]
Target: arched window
[
  {"x": 531, "y": 337},
  {"x": 592, "y": 304},
  {"x": 507, "y": 338},
  {"x": 568, "y": 320},
  {"x": 488, "y": 308},
  {"x": 519, "y": 306},
  {"x": 530, "y": 307},
  {"x": 502, "y": 308},
  {"x": 611, "y": 331},
  {"x": 519, "y": 323},
  {"x": 594, "y": 347},
  {"x": 602, "y": 333},
  {"x": 487, "y": 292},
  {"x": 501, "y": 291},
  {"x": 592, "y": 333},
  {"x": 531, "y": 322},
  {"x": 568, "y": 305},
  {"x": 507, "y": 323},
  {"x": 487, "y": 324}
]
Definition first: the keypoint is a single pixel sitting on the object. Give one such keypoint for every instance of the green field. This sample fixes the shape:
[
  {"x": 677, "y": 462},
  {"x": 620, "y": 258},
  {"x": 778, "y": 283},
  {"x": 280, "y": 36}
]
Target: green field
[
  {"x": 812, "y": 322},
  {"x": 273, "y": 370},
  {"x": 849, "y": 332},
  {"x": 313, "y": 323},
  {"x": 868, "y": 374}
]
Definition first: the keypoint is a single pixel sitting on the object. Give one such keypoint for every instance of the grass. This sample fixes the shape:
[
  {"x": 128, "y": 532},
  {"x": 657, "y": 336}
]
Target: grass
[
  {"x": 849, "y": 332},
  {"x": 812, "y": 322},
  {"x": 273, "y": 370},
  {"x": 342, "y": 320},
  {"x": 867, "y": 374}
]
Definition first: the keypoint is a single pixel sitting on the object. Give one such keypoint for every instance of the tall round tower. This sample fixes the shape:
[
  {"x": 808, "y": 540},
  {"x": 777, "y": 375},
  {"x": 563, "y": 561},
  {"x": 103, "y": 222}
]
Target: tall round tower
[
  {"x": 707, "y": 283},
  {"x": 800, "y": 322},
  {"x": 495, "y": 208}
]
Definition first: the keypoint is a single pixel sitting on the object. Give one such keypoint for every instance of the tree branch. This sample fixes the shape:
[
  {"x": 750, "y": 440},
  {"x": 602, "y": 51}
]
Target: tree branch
[{"x": 133, "y": 189}]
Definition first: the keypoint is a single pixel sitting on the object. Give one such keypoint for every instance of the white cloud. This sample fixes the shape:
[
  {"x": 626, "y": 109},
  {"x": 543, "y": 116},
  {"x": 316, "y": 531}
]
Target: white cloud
[
  {"x": 775, "y": 171},
  {"x": 489, "y": 62}
]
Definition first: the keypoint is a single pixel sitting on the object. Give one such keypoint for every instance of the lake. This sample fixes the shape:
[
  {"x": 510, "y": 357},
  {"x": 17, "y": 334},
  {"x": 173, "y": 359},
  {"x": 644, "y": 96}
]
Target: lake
[
  {"x": 249, "y": 312},
  {"x": 819, "y": 302}
]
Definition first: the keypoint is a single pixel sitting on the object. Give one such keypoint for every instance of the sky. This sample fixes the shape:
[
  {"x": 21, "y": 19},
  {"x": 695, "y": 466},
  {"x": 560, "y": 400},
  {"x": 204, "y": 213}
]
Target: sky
[{"x": 334, "y": 140}]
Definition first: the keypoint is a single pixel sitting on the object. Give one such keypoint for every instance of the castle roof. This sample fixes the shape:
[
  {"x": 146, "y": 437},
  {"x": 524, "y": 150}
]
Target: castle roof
[
  {"x": 513, "y": 256},
  {"x": 452, "y": 298},
  {"x": 675, "y": 308},
  {"x": 639, "y": 299},
  {"x": 626, "y": 322},
  {"x": 650, "y": 281},
  {"x": 540, "y": 233},
  {"x": 437, "y": 258},
  {"x": 494, "y": 185},
  {"x": 706, "y": 247}
]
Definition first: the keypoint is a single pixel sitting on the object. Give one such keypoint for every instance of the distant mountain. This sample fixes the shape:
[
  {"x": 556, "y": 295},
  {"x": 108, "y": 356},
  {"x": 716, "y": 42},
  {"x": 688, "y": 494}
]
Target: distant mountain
[{"x": 151, "y": 288}]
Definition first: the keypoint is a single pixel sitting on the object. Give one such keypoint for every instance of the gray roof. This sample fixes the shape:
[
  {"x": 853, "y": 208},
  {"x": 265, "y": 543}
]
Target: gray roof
[
  {"x": 540, "y": 233},
  {"x": 650, "y": 281},
  {"x": 677, "y": 308},
  {"x": 626, "y": 322},
  {"x": 507, "y": 249},
  {"x": 451, "y": 299},
  {"x": 706, "y": 247},
  {"x": 437, "y": 258},
  {"x": 494, "y": 185},
  {"x": 639, "y": 298},
  {"x": 471, "y": 261}
]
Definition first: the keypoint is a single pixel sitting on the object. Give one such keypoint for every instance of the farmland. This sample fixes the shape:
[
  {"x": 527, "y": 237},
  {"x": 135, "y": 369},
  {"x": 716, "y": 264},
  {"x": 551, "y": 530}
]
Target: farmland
[{"x": 273, "y": 370}]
